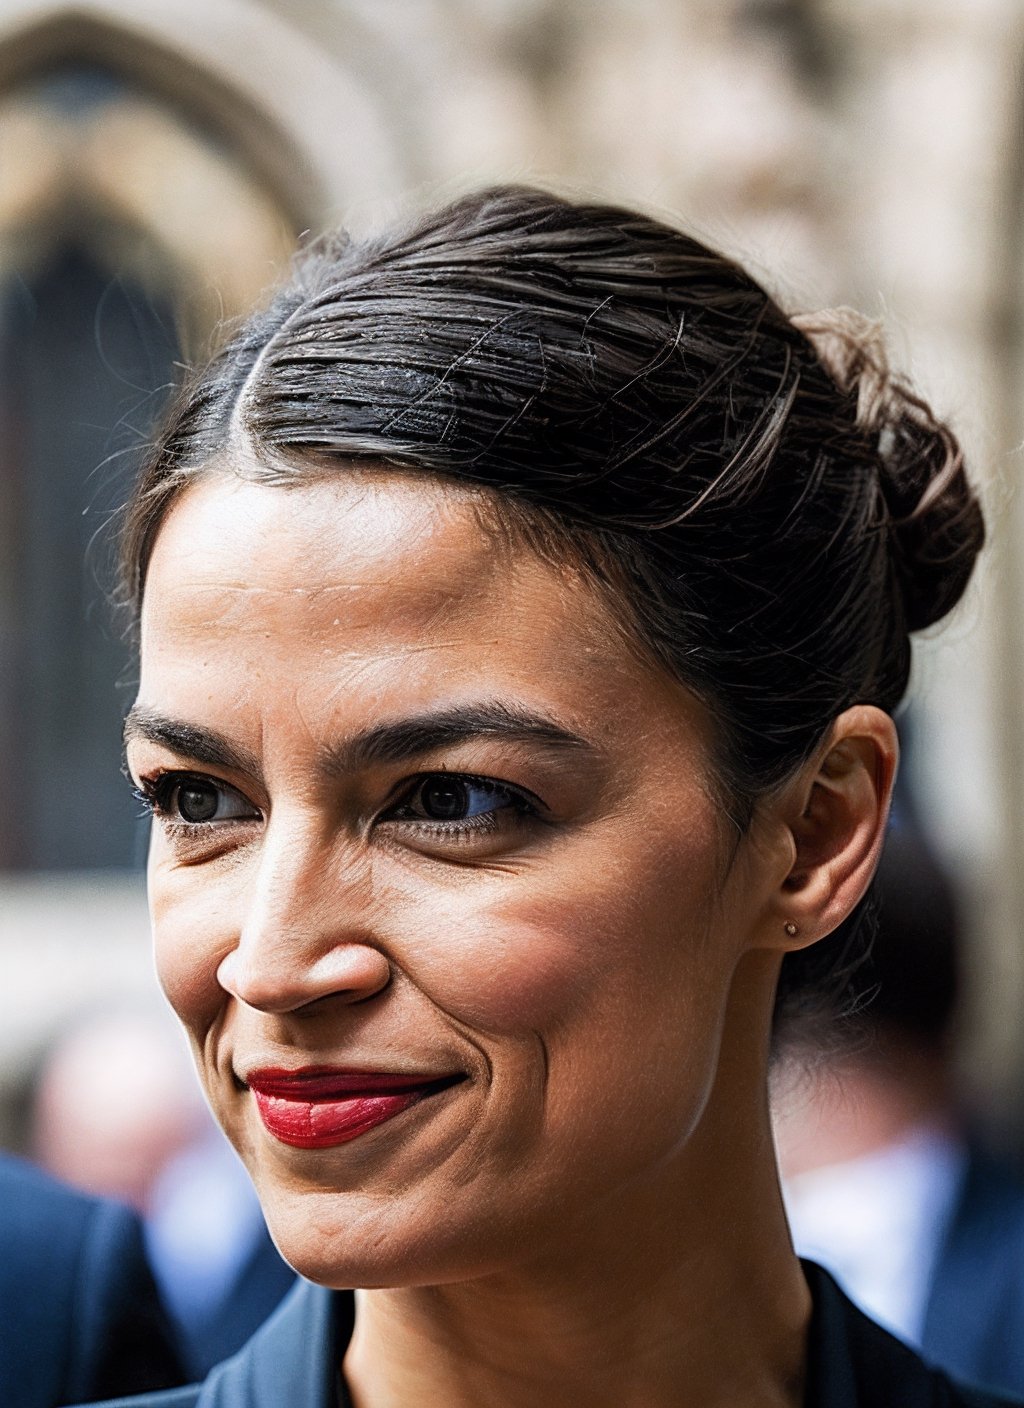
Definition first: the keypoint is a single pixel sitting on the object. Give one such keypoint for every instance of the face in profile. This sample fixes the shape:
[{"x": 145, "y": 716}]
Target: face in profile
[{"x": 439, "y": 883}]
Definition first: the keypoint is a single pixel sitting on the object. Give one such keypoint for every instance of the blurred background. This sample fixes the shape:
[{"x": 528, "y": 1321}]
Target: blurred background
[{"x": 158, "y": 161}]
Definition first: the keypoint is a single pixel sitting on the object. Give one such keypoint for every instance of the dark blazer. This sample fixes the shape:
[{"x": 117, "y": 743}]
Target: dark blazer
[
  {"x": 974, "y": 1320},
  {"x": 293, "y": 1361},
  {"x": 258, "y": 1289},
  {"x": 79, "y": 1314}
]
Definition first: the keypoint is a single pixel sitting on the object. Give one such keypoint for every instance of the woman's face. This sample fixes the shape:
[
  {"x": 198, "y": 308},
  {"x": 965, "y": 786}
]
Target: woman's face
[{"x": 439, "y": 887}]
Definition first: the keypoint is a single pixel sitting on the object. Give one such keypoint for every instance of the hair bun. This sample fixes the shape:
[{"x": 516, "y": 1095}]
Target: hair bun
[{"x": 937, "y": 528}]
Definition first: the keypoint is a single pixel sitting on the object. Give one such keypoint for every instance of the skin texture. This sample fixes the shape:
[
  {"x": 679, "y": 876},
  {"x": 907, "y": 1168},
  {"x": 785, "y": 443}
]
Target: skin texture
[{"x": 595, "y": 959}]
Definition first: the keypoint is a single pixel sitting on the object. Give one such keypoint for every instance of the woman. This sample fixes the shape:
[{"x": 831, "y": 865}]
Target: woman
[{"x": 522, "y": 604}]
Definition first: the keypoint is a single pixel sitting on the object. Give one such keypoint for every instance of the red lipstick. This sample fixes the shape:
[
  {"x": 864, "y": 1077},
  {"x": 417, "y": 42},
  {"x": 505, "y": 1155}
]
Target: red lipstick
[{"x": 318, "y": 1106}]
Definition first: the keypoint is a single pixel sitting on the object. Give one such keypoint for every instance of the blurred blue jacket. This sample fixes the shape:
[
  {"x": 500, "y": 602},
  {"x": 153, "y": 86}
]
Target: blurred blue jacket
[
  {"x": 79, "y": 1314},
  {"x": 974, "y": 1320},
  {"x": 263, "y": 1281}
]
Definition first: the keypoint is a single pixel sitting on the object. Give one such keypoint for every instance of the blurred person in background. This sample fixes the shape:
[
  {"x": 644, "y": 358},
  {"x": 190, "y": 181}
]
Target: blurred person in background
[
  {"x": 117, "y": 1112},
  {"x": 114, "y": 1101},
  {"x": 884, "y": 1181},
  {"x": 218, "y": 1270},
  {"x": 80, "y": 1317}
]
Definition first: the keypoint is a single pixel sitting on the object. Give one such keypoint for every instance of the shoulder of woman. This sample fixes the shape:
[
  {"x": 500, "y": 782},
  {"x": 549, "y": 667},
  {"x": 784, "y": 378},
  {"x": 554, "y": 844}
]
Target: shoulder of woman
[
  {"x": 975, "y": 1398},
  {"x": 855, "y": 1363},
  {"x": 166, "y": 1398}
]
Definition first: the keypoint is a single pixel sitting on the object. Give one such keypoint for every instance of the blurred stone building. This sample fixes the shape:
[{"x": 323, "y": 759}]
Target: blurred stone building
[{"x": 158, "y": 160}]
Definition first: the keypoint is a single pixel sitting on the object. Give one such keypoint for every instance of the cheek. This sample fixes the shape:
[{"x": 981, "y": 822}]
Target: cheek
[
  {"x": 601, "y": 939},
  {"x": 192, "y": 928},
  {"x": 502, "y": 968}
]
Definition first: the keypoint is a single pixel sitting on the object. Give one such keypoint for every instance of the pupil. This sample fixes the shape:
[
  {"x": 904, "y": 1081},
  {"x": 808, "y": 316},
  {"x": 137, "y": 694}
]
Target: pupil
[
  {"x": 197, "y": 803},
  {"x": 444, "y": 799}
]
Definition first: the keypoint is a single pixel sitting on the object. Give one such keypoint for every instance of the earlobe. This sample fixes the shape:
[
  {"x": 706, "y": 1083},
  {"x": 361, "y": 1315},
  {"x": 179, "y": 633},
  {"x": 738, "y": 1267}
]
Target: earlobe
[{"x": 837, "y": 812}]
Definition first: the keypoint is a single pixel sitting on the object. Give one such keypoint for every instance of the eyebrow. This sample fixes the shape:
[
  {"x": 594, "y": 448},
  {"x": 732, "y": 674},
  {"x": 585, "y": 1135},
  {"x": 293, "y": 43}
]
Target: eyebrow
[
  {"x": 402, "y": 740},
  {"x": 202, "y": 745},
  {"x": 397, "y": 741}
]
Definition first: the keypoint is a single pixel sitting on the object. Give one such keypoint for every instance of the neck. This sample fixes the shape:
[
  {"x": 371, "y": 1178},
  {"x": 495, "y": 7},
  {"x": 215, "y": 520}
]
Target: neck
[{"x": 681, "y": 1292}]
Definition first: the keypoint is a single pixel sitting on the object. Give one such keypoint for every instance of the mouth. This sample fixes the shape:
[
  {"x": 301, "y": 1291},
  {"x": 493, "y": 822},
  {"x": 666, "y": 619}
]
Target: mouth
[{"x": 317, "y": 1107}]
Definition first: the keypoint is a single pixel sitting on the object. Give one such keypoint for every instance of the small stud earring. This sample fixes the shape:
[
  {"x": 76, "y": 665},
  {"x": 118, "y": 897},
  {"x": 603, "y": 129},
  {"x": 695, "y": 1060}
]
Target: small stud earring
[{"x": 791, "y": 929}]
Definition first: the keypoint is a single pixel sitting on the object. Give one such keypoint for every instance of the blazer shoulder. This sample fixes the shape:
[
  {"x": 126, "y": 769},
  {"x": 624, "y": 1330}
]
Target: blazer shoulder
[
  {"x": 976, "y": 1398},
  {"x": 855, "y": 1363},
  {"x": 82, "y": 1317},
  {"x": 167, "y": 1398},
  {"x": 122, "y": 1339},
  {"x": 30, "y": 1200},
  {"x": 974, "y": 1320}
]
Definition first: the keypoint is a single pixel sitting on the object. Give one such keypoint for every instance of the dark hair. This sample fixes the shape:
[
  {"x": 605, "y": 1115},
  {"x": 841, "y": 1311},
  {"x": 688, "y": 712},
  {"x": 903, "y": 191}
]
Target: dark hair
[{"x": 776, "y": 511}]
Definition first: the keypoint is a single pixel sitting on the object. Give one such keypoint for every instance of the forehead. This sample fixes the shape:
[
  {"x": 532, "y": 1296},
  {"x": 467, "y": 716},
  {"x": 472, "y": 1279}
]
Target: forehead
[
  {"x": 335, "y": 547},
  {"x": 370, "y": 580},
  {"x": 294, "y": 620}
]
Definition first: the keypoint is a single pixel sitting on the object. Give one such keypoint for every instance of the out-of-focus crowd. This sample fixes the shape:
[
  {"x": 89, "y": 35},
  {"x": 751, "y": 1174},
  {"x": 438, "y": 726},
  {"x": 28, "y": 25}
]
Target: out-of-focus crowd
[
  {"x": 886, "y": 1177},
  {"x": 153, "y": 1241}
]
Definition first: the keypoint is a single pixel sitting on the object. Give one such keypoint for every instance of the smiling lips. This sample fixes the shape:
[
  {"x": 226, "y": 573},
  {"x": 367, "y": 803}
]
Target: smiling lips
[{"x": 317, "y": 1107}]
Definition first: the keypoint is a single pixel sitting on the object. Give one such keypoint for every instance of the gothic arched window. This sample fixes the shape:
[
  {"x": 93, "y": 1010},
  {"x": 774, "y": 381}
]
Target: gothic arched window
[{"x": 129, "y": 226}]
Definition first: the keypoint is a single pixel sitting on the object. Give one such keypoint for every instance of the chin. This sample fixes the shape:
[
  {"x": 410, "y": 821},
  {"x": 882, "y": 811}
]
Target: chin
[{"x": 337, "y": 1240}]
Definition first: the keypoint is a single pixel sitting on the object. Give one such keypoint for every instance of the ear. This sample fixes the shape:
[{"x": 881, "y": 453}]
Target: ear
[{"x": 835, "y": 814}]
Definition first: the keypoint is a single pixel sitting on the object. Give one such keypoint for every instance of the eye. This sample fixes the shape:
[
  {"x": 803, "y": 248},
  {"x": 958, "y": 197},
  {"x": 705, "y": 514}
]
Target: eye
[
  {"x": 458, "y": 807},
  {"x": 446, "y": 797},
  {"x": 191, "y": 800}
]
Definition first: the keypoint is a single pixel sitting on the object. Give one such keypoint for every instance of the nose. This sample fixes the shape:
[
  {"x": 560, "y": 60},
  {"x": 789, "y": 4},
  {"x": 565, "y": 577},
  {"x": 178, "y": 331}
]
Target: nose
[{"x": 306, "y": 935}]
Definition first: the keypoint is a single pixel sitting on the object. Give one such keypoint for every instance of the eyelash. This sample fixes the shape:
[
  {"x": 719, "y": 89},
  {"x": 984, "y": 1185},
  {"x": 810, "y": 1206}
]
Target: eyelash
[
  {"x": 152, "y": 792},
  {"x": 156, "y": 791},
  {"x": 155, "y": 794},
  {"x": 515, "y": 800}
]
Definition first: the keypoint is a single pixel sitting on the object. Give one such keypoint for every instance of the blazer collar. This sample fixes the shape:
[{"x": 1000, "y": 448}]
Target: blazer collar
[
  {"x": 830, "y": 1382},
  {"x": 854, "y": 1363},
  {"x": 292, "y": 1360}
]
